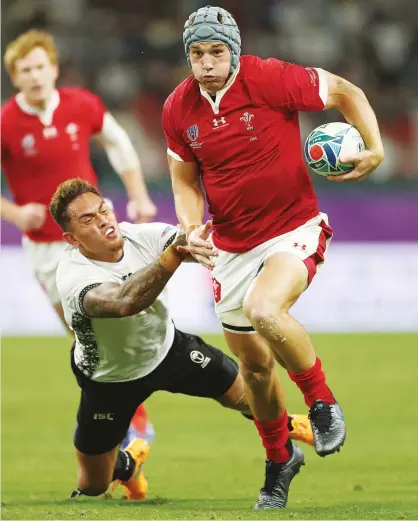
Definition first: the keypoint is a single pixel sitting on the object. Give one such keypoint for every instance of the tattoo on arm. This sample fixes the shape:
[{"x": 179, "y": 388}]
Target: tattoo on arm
[{"x": 112, "y": 300}]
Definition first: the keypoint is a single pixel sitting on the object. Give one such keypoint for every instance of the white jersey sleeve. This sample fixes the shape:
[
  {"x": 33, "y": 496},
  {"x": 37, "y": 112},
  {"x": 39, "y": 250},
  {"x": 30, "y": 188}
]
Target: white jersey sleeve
[
  {"x": 155, "y": 237},
  {"x": 119, "y": 149},
  {"x": 73, "y": 282}
]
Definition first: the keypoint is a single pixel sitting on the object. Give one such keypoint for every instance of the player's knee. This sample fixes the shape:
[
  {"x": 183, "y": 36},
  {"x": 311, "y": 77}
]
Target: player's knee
[
  {"x": 266, "y": 317},
  {"x": 255, "y": 310}
]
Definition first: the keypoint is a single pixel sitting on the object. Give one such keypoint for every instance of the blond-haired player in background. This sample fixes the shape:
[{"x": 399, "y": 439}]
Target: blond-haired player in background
[{"x": 45, "y": 140}]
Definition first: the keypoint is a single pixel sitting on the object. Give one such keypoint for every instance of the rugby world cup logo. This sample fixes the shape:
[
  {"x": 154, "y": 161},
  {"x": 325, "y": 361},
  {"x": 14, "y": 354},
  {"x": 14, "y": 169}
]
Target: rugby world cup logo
[
  {"x": 193, "y": 132},
  {"x": 247, "y": 118}
]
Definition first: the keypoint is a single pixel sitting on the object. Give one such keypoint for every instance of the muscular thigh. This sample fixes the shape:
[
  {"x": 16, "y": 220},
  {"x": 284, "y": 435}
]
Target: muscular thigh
[
  {"x": 289, "y": 264},
  {"x": 195, "y": 368},
  {"x": 282, "y": 280},
  {"x": 279, "y": 269},
  {"x": 102, "y": 421},
  {"x": 105, "y": 412},
  {"x": 231, "y": 277}
]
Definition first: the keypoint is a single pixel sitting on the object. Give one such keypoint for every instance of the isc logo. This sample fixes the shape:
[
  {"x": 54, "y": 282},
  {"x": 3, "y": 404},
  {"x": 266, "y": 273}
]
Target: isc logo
[{"x": 103, "y": 416}]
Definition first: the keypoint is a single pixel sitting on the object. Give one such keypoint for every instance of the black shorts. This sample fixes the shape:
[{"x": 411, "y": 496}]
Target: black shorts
[{"x": 191, "y": 367}]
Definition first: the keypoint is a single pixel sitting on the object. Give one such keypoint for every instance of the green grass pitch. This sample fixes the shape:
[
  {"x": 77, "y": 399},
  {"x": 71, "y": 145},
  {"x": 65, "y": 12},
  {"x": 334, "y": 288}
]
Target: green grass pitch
[{"x": 207, "y": 462}]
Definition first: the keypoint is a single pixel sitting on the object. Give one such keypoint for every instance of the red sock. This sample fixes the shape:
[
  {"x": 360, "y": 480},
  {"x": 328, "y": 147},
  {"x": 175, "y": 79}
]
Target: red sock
[
  {"x": 140, "y": 419},
  {"x": 312, "y": 384},
  {"x": 274, "y": 435}
]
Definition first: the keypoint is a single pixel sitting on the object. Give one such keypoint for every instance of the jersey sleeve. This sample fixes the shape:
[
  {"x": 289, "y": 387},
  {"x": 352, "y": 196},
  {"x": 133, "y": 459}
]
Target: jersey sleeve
[
  {"x": 163, "y": 236},
  {"x": 155, "y": 237},
  {"x": 93, "y": 109},
  {"x": 293, "y": 87},
  {"x": 73, "y": 282},
  {"x": 176, "y": 146}
]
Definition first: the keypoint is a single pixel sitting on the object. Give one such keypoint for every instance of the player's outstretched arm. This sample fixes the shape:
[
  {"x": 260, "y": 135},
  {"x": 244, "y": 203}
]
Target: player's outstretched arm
[
  {"x": 188, "y": 195},
  {"x": 112, "y": 300},
  {"x": 354, "y": 106},
  {"x": 27, "y": 217},
  {"x": 190, "y": 207},
  {"x": 124, "y": 159}
]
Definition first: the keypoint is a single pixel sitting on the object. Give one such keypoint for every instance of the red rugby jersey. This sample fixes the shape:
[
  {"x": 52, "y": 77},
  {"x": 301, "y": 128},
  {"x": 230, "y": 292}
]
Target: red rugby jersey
[
  {"x": 248, "y": 147},
  {"x": 41, "y": 150}
]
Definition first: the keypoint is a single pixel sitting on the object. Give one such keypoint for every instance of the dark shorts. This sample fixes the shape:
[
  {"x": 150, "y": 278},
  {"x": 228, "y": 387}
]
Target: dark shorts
[{"x": 191, "y": 367}]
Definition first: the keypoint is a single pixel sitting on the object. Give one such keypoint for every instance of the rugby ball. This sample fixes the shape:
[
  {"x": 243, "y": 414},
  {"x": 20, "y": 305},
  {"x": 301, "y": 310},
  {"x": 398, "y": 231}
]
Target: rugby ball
[{"x": 324, "y": 146}]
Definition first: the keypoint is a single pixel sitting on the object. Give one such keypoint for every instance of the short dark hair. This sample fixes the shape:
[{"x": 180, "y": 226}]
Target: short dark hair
[{"x": 65, "y": 195}]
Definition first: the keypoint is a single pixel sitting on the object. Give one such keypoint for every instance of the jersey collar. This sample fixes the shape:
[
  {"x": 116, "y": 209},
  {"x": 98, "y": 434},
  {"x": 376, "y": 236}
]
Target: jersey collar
[
  {"x": 45, "y": 115},
  {"x": 220, "y": 94}
]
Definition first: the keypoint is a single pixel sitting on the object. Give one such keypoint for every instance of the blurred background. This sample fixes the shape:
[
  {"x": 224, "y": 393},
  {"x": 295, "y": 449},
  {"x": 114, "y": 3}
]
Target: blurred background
[
  {"x": 130, "y": 52},
  {"x": 362, "y": 307}
]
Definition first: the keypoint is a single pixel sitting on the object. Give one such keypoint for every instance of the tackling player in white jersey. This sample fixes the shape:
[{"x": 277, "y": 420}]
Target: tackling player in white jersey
[
  {"x": 112, "y": 282},
  {"x": 45, "y": 138}
]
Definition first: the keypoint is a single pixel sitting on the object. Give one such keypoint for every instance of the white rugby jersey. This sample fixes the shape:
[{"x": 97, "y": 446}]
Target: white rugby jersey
[{"x": 117, "y": 349}]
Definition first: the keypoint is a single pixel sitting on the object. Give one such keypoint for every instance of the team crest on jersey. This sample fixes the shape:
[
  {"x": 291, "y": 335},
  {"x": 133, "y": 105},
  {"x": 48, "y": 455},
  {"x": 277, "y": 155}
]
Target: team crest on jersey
[
  {"x": 247, "y": 119},
  {"x": 193, "y": 132},
  {"x": 28, "y": 145}
]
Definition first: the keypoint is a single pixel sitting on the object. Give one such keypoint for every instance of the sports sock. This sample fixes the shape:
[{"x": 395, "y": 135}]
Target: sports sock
[
  {"x": 124, "y": 467},
  {"x": 140, "y": 420},
  {"x": 274, "y": 435},
  {"x": 289, "y": 420},
  {"x": 312, "y": 384}
]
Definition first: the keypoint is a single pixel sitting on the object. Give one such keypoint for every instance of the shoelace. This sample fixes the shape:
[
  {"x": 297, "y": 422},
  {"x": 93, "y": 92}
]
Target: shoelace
[{"x": 321, "y": 416}]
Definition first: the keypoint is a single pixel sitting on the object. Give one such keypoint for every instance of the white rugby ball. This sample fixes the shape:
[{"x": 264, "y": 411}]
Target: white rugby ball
[{"x": 324, "y": 146}]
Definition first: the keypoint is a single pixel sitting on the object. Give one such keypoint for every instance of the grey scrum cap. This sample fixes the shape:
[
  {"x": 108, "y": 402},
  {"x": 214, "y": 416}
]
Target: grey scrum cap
[{"x": 212, "y": 24}]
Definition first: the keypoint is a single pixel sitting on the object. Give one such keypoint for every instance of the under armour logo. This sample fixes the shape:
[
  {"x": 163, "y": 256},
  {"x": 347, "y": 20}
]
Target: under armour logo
[
  {"x": 220, "y": 121},
  {"x": 50, "y": 132}
]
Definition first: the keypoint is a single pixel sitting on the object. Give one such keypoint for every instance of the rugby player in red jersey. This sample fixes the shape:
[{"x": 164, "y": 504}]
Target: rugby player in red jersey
[{"x": 232, "y": 126}]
